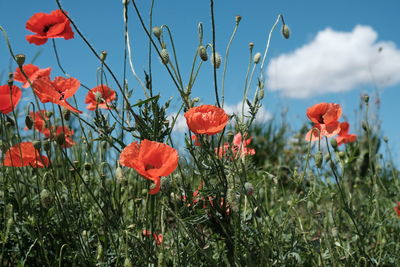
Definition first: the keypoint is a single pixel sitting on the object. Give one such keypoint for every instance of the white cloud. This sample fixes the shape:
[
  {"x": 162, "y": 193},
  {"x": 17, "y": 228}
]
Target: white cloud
[
  {"x": 335, "y": 62},
  {"x": 262, "y": 116}
]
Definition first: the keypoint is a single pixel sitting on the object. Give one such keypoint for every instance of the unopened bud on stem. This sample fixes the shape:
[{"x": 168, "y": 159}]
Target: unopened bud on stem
[{"x": 286, "y": 31}]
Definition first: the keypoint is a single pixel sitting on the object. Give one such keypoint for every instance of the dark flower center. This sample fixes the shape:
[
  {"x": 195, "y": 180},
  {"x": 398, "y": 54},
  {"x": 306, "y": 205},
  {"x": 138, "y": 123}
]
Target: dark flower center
[{"x": 47, "y": 27}]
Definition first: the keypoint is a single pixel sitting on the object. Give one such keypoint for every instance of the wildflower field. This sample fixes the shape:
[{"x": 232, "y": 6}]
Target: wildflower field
[{"x": 109, "y": 183}]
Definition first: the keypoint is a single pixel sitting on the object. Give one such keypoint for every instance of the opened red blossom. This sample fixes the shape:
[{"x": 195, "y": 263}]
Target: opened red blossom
[
  {"x": 25, "y": 154},
  {"x": 206, "y": 119},
  {"x": 57, "y": 91},
  {"x": 325, "y": 117},
  {"x": 32, "y": 72},
  {"x": 57, "y": 132},
  {"x": 151, "y": 160},
  {"x": 100, "y": 97},
  {"x": 9, "y": 98},
  {"x": 344, "y": 136},
  {"x": 45, "y": 26}
]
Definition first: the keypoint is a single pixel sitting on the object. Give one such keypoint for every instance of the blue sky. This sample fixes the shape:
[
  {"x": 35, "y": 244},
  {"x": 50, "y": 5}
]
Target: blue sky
[{"x": 332, "y": 54}]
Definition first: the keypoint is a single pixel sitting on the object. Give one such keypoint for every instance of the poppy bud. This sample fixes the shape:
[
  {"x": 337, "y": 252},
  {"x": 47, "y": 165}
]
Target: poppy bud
[
  {"x": 334, "y": 143},
  {"x": 28, "y": 122},
  {"x": 217, "y": 60},
  {"x": 364, "y": 125},
  {"x": 157, "y": 31},
  {"x": 249, "y": 188},
  {"x": 67, "y": 114},
  {"x": 165, "y": 184},
  {"x": 127, "y": 263},
  {"x": 87, "y": 166},
  {"x": 238, "y": 18},
  {"x": 366, "y": 98},
  {"x": 195, "y": 100},
  {"x": 11, "y": 75},
  {"x": 318, "y": 159},
  {"x": 342, "y": 155},
  {"x": 46, "y": 198},
  {"x": 164, "y": 56},
  {"x": 251, "y": 45},
  {"x": 203, "y": 53},
  {"x": 285, "y": 31},
  {"x": 103, "y": 55},
  {"x": 20, "y": 58},
  {"x": 257, "y": 58},
  {"x": 46, "y": 145},
  {"x": 261, "y": 94},
  {"x": 49, "y": 114},
  {"x": 37, "y": 144},
  {"x": 100, "y": 252},
  {"x": 120, "y": 176},
  {"x": 60, "y": 139}
]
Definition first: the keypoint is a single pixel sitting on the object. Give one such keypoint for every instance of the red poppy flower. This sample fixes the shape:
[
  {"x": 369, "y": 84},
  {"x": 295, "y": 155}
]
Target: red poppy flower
[
  {"x": 241, "y": 144},
  {"x": 151, "y": 160},
  {"x": 195, "y": 140},
  {"x": 33, "y": 72},
  {"x": 55, "y": 132},
  {"x": 206, "y": 119},
  {"x": 24, "y": 154},
  {"x": 325, "y": 116},
  {"x": 45, "y": 26},
  {"x": 158, "y": 238},
  {"x": 238, "y": 147},
  {"x": 397, "y": 209},
  {"x": 100, "y": 97},
  {"x": 9, "y": 98},
  {"x": 39, "y": 119},
  {"x": 56, "y": 91},
  {"x": 344, "y": 136}
]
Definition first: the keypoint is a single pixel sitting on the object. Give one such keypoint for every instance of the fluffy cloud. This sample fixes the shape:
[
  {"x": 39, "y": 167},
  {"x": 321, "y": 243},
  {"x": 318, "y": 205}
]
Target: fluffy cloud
[
  {"x": 335, "y": 62},
  {"x": 262, "y": 116}
]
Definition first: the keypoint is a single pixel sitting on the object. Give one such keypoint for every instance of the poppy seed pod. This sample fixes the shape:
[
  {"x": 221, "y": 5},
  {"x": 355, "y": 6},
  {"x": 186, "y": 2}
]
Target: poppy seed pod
[
  {"x": 238, "y": 18},
  {"x": 217, "y": 61},
  {"x": 103, "y": 55},
  {"x": 257, "y": 58},
  {"x": 366, "y": 98},
  {"x": 203, "y": 53},
  {"x": 20, "y": 58},
  {"x": 286, "y": 31},
  {"x": 157, "y": 31},
  {"x": 164, "y": 56},
  {"x": 251, "y": 45}
]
